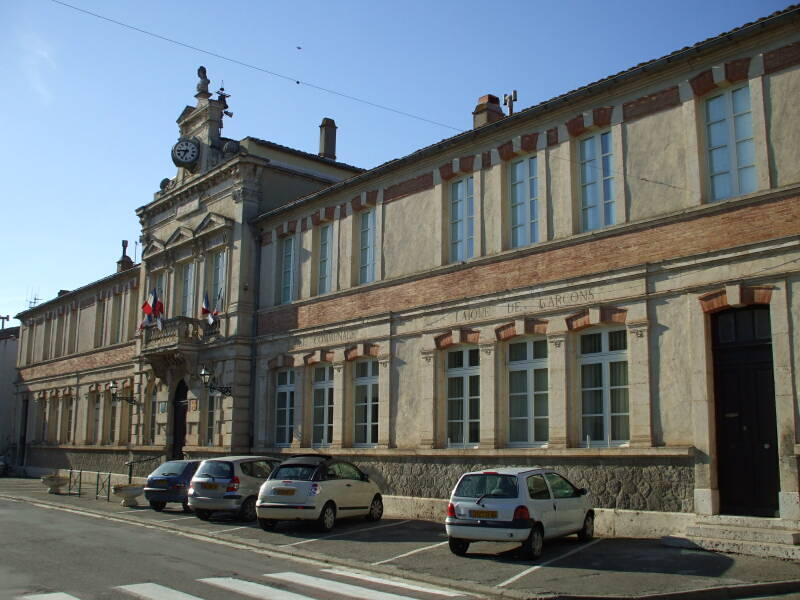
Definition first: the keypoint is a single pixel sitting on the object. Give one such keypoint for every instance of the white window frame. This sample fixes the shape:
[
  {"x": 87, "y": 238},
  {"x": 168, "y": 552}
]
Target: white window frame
[
  {"x": 325, "y": 387},
  {"x": 733, "y": 143},
  {"x": 213, "y": 406},
  {"x": 465, "y": 373},
  {"x": 97, "y": 430},
  {"x": 461, "y": 220},
  {"x": 605, "y": 358},
  {"x": 188, "y": 272},
  {"x": 597, "y": 171},
  {"x": 371, "y": 402},
  {"x": 284, "y": 424},
  {"x": 523, "y": 202},
  {"x": 530, "y": 367},
  {"x": 286, "y": 269},
  {"x": 325, "y": 258},
  {"x": 219, "y": 268},
  {"x": 366, "y": 243},
  {"x": 70, "y": 419}
]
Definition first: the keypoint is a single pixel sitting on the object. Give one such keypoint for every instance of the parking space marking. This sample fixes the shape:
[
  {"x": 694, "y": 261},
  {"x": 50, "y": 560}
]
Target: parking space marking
[
  {"x": 544, "y": 564},
  {"x": 409, "y": 553},
  {"x": 176, "y": 519},
  {"x": 228, "y": 529},
  {"x": 327, "y": 537},
  {"x": 392, "y": 582}
]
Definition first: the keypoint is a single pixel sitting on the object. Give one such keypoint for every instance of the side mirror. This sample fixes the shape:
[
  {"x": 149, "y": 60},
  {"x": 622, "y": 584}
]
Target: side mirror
[
  {"x": 582, "y": 491},
  {"x": 364, "y": 477}
]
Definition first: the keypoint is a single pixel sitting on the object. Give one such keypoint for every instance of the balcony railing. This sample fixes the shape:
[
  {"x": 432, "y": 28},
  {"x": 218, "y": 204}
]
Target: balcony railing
[{"x": 178, "y": 331}]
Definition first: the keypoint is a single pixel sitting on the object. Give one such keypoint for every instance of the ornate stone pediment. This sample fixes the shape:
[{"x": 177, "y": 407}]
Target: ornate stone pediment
[
  {"x": 152, "y": 248},
  {"x": 212, "y": 222},
  {"x": 179, "y": 236}
]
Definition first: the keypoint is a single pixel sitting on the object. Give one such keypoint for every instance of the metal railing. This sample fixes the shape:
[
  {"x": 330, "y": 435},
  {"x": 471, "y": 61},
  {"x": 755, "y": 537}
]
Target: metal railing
[
  {"x": 103, "y": 485},
  {"x": 130, "y": 464},
  {"x": 75, "y": 482}
]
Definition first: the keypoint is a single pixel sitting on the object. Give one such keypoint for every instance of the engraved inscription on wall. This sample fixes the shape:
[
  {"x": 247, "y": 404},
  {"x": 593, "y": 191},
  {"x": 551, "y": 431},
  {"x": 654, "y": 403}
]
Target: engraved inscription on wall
[{"x": 532, "y": 305}]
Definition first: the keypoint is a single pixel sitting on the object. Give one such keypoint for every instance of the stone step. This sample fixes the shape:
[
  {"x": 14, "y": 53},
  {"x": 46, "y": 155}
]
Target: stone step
[
  {"x": 751, "y": 548},
  {"x": 755, "y": 522},
  {"x": 750, "y": 534}
]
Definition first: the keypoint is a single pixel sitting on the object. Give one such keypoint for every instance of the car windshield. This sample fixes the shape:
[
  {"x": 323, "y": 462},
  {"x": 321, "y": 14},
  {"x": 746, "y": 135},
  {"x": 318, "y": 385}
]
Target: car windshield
[
  {"x": 490, "y": 485},
  {"x": 295, "y": 472},
  {"x": 215, "y": 468},
  {"x": 169, "y": 469}
]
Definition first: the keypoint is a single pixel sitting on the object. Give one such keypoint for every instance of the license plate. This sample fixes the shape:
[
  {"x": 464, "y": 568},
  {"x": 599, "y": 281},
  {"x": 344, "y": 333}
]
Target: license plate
[
  {"x": 284, "y": 492},
  {"x": 159, "y": 483},
  {"x": 209, "y": 486},
  {"x": 483, "y": 514}
]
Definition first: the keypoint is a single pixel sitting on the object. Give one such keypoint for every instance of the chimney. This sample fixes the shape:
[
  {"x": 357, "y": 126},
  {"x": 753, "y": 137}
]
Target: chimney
[
  {"x": 125, "y": 262},
  {"x": 327, "y": 139},
  {"x": 487, "y": 111}
]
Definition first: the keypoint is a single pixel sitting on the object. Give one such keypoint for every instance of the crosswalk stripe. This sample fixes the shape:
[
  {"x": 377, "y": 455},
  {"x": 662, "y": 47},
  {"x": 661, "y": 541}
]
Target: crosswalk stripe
[
  {"x": 54, "y": 596},
  {"x": 392, "y": 582},
  {"x": 153, "y": 591},
  {"x": 254, "y": 590},
  {"x": 335, "y": 587}
]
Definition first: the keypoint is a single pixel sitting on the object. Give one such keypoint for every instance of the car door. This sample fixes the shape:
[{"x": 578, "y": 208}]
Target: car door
[
  {"x": 335, "y": 488},
  {"x": 568, "y": 502},
  {"x": 541, "y": 504},
  {"x": 360, "y": 490}
]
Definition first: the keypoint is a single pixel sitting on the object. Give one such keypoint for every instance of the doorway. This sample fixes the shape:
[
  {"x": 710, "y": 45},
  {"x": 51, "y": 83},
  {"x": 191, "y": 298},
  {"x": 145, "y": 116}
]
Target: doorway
[
  {"x": 179, "y": 404},
  {"x": 747, "y": 438}
]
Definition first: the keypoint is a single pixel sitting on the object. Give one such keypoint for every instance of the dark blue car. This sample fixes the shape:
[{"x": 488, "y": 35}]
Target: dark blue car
[{"x": 170, "y": 483}]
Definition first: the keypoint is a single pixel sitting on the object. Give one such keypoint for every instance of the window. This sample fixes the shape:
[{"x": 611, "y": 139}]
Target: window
[
  {"x": 366, "y": 402},
  {"x": 462, "y": 220},
  {"x": 597, "y": 182},
  {"x": 151, "y": 430},
  {"x": 218, "y": 263},
  {"x": 59, "y": 347},
  {"x": 157, "y": 282},
  {"x": 70, "y": 419},
  {"x": 46, "y": 342},
  {"x": 527, "y": 392},
  {"x": 284, "y": 407},
  {"x": 286, "y": 286},
  {"x": 560, "y": 486},
  {"x": 463, "y": 397},
  {"x": 731, "y": 149},
  {"x": 116, "y": 319},
  {"x": 100, "y": 323},
  {"x": 96, "y": 420},
  {"x": 214, "y": 404},
  {"x": 524, "y": 197},
  {"x": 324, "y": 266},
  {"x": 112, "y": 421},
  {"x": 604, "y": 387},
  {"x": 72, "y": 341},
  {"x": 43, "y": 414},
  {"x": 366, "y": 271},
  {"x": 322, "y": 430},
  {"x": 537, "y": 488},
  {"x": 187, "y": 290}
]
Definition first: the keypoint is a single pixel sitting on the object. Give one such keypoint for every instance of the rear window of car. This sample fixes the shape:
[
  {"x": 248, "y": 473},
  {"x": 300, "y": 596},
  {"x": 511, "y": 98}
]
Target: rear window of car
[
  {"x": 216, "y": 469},
  {"x": 491, "y": 485},
  {"x": 170, "y": 469},
  {"x": 295, "y": 472}
]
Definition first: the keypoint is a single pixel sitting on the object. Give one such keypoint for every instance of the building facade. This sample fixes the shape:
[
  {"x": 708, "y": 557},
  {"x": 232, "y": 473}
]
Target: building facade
[
  {"x": 8, "y": 405},
  {"x": 605, "y": 283}
]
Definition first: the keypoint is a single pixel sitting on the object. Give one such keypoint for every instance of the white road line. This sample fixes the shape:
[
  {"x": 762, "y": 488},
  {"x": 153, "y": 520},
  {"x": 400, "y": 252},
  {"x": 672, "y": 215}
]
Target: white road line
[
  {"x": 228, "y": 529},
  {"x": 380, "y": 562},
  {"x": 327, "y": 537},
  {"x": 544, "y": 564},
  {"x": 392, "y": 582},
  {"x": 55, "y": 596},
  {"x": 153, "y": 591},
  {"x": 175, "y": 519},
  {"x": 254, "y": 590},
  {"x": 335, "y": 587}
]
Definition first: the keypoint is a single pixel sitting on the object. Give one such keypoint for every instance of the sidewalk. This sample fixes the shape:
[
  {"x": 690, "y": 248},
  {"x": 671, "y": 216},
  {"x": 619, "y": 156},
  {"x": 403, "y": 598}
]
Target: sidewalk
[{"x": 605, "y": 568}]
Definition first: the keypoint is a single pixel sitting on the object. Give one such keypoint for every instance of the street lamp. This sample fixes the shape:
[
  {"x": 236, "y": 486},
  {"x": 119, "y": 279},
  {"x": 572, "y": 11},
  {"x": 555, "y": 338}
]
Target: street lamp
[
  {"x": 205, "y": 375},
  {"x": 114, "y": 398}
]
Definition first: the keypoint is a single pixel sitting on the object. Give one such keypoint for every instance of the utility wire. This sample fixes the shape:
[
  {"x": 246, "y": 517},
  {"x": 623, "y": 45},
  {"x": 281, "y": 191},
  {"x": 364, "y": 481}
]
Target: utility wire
[{"x": 257, "y": 68}]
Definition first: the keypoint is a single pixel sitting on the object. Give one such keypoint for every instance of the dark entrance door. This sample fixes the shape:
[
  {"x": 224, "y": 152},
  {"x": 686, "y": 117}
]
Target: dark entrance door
[
  {"x": 747, "y": 448},
  {"x": 179, "y": 404}
]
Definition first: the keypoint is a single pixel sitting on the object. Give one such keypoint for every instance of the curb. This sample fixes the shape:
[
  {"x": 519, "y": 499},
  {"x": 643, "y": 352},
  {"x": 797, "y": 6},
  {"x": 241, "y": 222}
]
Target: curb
[{"x": 725, "y": 592}]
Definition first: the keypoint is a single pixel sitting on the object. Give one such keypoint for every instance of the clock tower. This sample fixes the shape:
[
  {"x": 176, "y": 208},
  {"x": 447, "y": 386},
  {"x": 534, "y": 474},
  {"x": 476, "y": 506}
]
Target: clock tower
[{"x": 199, "y": 146}]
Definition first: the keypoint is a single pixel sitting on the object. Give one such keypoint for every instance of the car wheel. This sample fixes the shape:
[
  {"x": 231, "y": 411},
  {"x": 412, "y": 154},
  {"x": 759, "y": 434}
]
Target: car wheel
[
  {"x": 532, "y": 546},
  {"x": 458, "y": 547},
  {"x": 375, "y": 509},
  {"x": 186, "y": 507},
  {"x": 247, "y": 512},
  {"x": 327, "y": 517},
  {"x": 268, "y": 524},
  {"x": 202, "y": 514},
  {"x": 157, "y": 506},
  {"x": 587, "y": 532}
]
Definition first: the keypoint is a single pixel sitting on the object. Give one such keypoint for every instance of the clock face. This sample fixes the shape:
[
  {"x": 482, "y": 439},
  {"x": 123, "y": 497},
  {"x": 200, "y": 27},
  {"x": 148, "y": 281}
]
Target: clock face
[{"x": 185, "y": 152}]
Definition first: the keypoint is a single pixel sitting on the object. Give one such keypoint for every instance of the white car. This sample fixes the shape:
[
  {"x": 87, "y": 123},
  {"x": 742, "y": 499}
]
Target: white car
[
  {"x": 527, "y": 505},
  {"x": 317, "y": 487}
]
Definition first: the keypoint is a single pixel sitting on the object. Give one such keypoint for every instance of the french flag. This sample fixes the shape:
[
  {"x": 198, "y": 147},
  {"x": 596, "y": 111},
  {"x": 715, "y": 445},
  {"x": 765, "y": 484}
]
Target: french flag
[
  {"x": 153, "y": 308},
  {"x": 206, "y": 309}
]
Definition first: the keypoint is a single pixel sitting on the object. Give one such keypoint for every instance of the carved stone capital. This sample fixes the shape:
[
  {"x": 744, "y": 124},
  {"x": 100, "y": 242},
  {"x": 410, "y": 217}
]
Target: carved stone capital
[
  {"x": 427, "y": 355},
  {"x": 638, "y": 329},
  {"x": 557, "y": 339}
]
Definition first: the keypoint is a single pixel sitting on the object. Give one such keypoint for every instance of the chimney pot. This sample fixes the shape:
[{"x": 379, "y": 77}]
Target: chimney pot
[
  {"x": 327, "y": 139},
  {"x": 487, "y": 111},
  {"x": 125, "y": 262}
]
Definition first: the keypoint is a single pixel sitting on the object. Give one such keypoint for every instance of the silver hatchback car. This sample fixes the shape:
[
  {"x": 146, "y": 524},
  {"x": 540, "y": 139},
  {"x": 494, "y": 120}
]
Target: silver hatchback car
[
  {"x": 526, "y": 505},
  {"x": 229, "y": 483}
]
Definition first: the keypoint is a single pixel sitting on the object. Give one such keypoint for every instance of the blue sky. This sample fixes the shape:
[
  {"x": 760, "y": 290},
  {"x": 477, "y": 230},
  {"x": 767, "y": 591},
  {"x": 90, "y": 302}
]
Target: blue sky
[{"x": 90, "y": 107}]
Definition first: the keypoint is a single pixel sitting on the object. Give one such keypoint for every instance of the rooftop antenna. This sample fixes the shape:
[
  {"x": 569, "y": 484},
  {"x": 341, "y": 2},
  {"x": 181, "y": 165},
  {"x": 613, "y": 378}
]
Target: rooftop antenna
[
  {"x": 3, "y": 320},
  {"x": 508, "y": 100},
  {"x": 223, "y": 97},
  {"x": 33, "y": 301}
]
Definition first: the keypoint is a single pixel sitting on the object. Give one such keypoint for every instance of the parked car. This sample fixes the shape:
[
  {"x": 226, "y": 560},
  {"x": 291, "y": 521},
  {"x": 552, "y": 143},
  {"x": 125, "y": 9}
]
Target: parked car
[
  {"x": 229, "y": 483},
  {"x": 170, "y": 483},
  {"x": 317, "y": 487},
  {"x": 527, "y": 505}
]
